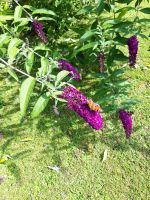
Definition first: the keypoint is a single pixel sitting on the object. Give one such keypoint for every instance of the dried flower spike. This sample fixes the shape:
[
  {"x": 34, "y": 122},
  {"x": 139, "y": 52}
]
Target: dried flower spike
[{"x": 101, "y": 59}]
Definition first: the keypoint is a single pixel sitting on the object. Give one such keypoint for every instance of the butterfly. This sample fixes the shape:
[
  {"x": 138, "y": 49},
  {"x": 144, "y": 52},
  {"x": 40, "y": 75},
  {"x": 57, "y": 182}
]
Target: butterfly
[{"x": 93, "y": 106}]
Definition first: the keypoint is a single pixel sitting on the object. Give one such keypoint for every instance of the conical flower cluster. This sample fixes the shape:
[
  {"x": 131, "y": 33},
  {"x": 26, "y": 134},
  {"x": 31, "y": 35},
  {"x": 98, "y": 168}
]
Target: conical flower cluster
[
  {"x": 64, "y": 65},
  {"x": 126, "y": 120},
  {"x": 77, "y": 102},
  {"x": 38, "y": 29},
  {"x": 133, "y": 49}
]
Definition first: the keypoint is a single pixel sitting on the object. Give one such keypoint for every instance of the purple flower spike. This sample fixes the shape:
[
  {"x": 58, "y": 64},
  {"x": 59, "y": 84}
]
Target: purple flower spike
[
  {"x": 38, "y": 29},
  {"x": 133, "y": 49},
  {"x": 126, "y": 120},
  {"x": 64, "y": 65},
  {"x": 101, "y": 59},
  {"x": 77, "y": 102}
]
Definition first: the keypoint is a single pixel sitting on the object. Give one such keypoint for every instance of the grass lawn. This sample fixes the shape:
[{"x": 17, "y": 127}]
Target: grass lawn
[{"x": 67, "y": 142}]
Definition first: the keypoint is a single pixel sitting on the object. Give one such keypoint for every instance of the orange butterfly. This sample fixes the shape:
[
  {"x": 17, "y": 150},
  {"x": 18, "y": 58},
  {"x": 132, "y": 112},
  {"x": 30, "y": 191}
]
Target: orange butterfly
[{"x": 93, "y": 106}]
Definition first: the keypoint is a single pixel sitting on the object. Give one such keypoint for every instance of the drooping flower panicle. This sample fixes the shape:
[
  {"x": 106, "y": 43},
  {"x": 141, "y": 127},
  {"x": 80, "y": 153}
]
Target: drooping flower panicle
[
  {"x": 64, "y": 65},
  {"x": 77, "y": 102},
  {"x": 126, "y": 120},
  {"x": 101, "y": 60},
  {"x": 38, "y": 29},
  {"x": 133, "y": 49}
]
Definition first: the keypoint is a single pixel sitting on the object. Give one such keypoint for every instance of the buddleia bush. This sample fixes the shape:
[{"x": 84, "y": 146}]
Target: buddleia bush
[{"x": 30, "y": 54}]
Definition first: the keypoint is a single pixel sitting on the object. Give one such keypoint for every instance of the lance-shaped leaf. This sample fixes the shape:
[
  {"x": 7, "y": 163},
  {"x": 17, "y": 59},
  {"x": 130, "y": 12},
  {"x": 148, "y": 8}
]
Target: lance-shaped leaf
[
  {"x": 12, "y": 49},
  {"x": 85, "y": 10},
  {"x": 145, "y": 10},
  {"x": 44, "y": 64},
  {"x": 43, "y": 11},
  {"x": 44, "y": 67},
  {"x": 29, "y": 62},
  {"x": 6, "y": 17},
  {"x": 85, "y": 47},
  {"x": 40, "y": 105},
  {"x": 60, "y": 76},
  {"x": 13, "y": 74},
  {"x": 17, "y": 13},
  {"x": 87, "y": 35},
  {"x": 46, "y": 18},
  {"x": 25, "y": 93},
  {"x": 100, "y": 7},
  {"x": 4, "y": 39}
]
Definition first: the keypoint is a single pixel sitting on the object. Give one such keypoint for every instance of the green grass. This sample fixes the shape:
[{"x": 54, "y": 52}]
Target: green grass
[
  {"x": 66, "y": 141},
  {"x": 69, "y": 143}
]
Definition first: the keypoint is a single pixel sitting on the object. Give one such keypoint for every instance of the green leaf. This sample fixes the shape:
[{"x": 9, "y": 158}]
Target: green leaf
[
  {"x": 100, "y": 7},
  {"x": 2, "y": 65},
  {"x": 13, "y": 74},
  {"x": 46, "y": 19},
  {"x": 43, "y": 11},
  {"x": 85, "y": 47},
  {"x": 144, "y": 21},
  {"x": 41, "y": 47},
  {"x": 119, "y": 55},
  {"x": 145, "y": 10},
  {"x": 44, "y": 65},
  {"x": 12, "y": 48},
  {"x": 25, "y": 93},
  {"x": 111, "y": 56},
  {"x": 85, "y": 10},
  {"x": 40, "y": 105},
  {"x": 123, "y": 11},
  {"x": 138, "y": 2},
  {"x": 17, "y": 13},
  {"x": 29, "y": 62},
  {"x": 29, "y": 7},
  {"x": 4, "y": 159},
  {"x": 60, "y": 76},
  {"x": 6, "y": 17},
  {"x": 4, "y": 39},
  {"x": 87, "y": 35}
]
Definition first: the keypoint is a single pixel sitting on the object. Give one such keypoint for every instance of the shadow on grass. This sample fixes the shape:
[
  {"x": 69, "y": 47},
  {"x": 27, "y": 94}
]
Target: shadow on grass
[{"x": 67, "y": 125}]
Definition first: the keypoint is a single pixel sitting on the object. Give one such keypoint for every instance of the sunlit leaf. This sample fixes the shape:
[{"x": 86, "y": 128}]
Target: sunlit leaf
[
  {"x": 25, "y": 93},
  {"x": 40, "y": 105},
  {"x": 12, "y": 48},
  {"x": 46, "y": 19},
  {"x": 43, "y": 11},
  {"x": 12, "y": 73},
  {"x": 29, "y": 62},
  {"x": 17, "y": 13},
  {"x": 60, "y": 76},
  {"x": 87, "y": 35}
]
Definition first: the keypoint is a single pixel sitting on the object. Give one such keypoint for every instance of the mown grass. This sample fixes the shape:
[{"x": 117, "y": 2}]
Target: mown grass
[{"x": 67, "y": 142}]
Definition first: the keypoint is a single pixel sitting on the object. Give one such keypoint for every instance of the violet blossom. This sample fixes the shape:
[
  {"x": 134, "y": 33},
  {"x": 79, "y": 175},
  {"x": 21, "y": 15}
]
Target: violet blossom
[
  {"x": 126, "y": 120},
  {"x": 77, "y": 102},
  {"x": 38, "y": 29},
  {"x": 133, "y": 49},
  {"x": 64, "y": 65}
]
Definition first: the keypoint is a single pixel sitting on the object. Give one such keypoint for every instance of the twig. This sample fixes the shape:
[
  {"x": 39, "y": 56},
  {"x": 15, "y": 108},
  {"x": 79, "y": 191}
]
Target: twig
[{"x": 18, "y": 70}]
